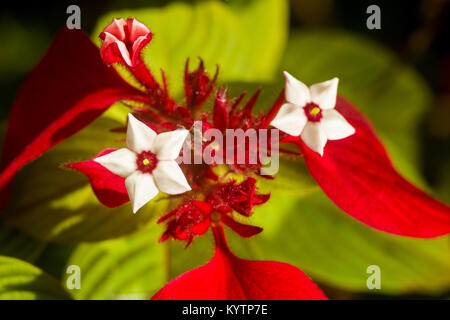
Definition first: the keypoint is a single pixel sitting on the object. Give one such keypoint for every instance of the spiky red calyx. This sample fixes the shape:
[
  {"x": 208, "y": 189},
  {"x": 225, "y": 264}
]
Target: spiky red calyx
[
  {"x": 193, "y": 218},
  {"x": 198, "y": 85}
]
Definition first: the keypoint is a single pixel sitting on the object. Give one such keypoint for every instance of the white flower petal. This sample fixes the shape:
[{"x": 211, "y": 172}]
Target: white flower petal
[
  {"x": 290, "y": 119},
  {"x": 141, "y": 189},
  {"x": 169, "y": 178},
  {"x": 296, "y": 92},
  {"x": 314, "y": 137},
  {"x": 167, "y": 145},
  {"x": 139, "y": 136},
  {"x": 121, "y": 162},
  {"x": 124, "y": 52},
  {"x": 324, "y": 93},
  {"x": 335, "y": 125}
]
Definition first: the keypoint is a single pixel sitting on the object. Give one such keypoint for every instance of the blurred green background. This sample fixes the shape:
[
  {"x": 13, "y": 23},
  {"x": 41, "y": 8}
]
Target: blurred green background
[{"x": 399, "y": 76}]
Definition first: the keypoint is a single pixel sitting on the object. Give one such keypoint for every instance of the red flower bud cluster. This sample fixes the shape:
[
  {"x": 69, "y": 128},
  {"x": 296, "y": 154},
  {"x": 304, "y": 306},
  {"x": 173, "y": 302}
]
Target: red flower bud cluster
[{"x": 193, "y": 218}]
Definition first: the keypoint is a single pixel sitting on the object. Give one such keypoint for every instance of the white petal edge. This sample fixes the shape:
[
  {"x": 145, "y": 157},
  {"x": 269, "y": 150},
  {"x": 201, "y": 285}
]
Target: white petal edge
[
  {"x": 290, "y": 119},
  {"x": 335, "y": 125},
  {"x": 324, "y": 93},
  {"x": 296, "y": 92},
  {"x": 167, "y": 145},
  {"x": 139, "y": 136},
  {"x": 169, "y": 178},
  {"x": 117, "y": 27},
  {"x": 314, "y": 137},
  {"x": 141, "y": 189},
  {"x": 137, "y": 30},
  {"x": 121, "y": 162},
  {"x": 110, "y": 39}
]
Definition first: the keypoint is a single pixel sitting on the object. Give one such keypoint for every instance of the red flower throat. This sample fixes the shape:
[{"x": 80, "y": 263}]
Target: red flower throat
[{"x": 146, "y": 161}]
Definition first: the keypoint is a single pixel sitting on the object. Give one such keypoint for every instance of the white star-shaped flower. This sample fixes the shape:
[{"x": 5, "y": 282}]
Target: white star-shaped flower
[
  {"x": 148, "y": 163},
  {"x": 309, "y": 113}
]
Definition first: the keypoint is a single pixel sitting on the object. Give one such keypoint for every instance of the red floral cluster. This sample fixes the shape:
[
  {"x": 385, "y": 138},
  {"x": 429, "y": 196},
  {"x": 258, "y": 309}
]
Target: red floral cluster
[{"x": 193, "y": 217}]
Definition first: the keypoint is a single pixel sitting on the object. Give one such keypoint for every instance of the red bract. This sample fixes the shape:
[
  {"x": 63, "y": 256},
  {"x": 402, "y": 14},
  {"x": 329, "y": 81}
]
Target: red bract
[
  {"x": 227, "y": 276},
  {"x": 108, "y": 187},
  {"x": 358, "y": 176},
  {"x": 67, "y": 90}
]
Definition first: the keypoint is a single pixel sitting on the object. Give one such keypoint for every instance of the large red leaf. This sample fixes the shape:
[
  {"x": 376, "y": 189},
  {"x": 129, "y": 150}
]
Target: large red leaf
[
  {"x": 108, "y": 187},
  {"x": 227, "y": 277},
  {"x": 358, "y": 177},
  {"x": 68, "y": 89}
]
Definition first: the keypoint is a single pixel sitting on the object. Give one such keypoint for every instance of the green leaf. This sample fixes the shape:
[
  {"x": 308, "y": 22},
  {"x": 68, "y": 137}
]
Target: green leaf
[
  {"x": 58, "y": 205},
  {"x": 246, "y": 39},
  {"x": 333, "y": 248},
  {"x": 20, "y": 280},
  {"x": 184, "y": 259},
  {"x": 389, "y": 92},
  {"x": 49, "y": 257},
  {"x": 15, "y": 244},
  {"x": 133, "y": 267}
]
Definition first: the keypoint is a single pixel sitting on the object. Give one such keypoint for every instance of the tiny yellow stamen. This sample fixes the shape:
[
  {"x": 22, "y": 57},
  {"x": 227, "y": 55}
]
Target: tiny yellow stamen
[
  {"x": 315, "y": 111},
  {"x": 145, "y": 162}
]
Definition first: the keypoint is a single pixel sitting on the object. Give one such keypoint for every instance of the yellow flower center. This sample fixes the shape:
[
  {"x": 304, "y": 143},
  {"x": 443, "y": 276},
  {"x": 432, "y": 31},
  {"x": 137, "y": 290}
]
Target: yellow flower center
[
  {"x": 145, "y": 162},
  {"x": 314, "y": 111}
]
